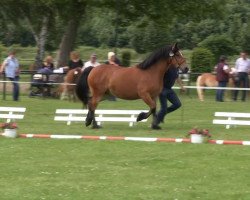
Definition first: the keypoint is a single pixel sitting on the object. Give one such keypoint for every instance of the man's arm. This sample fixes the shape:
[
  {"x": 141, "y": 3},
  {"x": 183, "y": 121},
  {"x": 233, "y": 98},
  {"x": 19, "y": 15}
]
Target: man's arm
[
  {"x": 2, "y": 67},
  {"x": 179, "y": 81}
]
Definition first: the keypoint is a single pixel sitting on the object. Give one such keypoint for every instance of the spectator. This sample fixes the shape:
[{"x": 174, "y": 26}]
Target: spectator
[
  {"x": 74, "y": 62},
  {"x": 48, "y": 63},
  {"x": 242, "y": 67},
  {"x": 112, "y": 59},
  {"x": 92, "y": 62},
  {"x": 222, "y": 76},
  {"x": 167, "y": 93},
  {"x": 12, "y": 70}
]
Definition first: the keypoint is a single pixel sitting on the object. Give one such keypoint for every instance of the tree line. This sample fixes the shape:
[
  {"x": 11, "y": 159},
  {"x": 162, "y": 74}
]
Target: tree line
[{"x": 143, "y": 25}]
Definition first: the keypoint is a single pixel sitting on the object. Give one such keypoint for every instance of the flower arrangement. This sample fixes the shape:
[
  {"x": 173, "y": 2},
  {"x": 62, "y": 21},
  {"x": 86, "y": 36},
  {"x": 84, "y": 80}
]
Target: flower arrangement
[
  {"x": 203, "y": 132},
  {"x": 9, "y": 125}
]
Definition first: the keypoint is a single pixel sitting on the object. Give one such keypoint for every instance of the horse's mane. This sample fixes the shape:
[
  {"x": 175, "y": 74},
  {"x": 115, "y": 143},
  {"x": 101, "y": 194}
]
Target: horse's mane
[{"x": 159, "y": 54}]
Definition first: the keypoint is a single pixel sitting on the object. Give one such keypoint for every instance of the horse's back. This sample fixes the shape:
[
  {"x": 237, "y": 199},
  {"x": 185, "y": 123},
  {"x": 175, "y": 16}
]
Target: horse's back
[
  {"x": 207, "y": 79},
  {"x": 102, "y": 73},
  {"x": 99, "y": 77},
  {"x": 120, "y": 81}
]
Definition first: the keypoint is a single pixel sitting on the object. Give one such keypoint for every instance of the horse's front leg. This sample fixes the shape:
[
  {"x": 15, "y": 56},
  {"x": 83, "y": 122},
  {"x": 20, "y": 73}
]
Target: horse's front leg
[{"x": 152, "y": 105}]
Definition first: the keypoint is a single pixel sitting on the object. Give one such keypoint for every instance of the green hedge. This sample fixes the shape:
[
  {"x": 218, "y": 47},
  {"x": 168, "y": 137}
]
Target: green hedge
[{"x": 201, "y": 61}]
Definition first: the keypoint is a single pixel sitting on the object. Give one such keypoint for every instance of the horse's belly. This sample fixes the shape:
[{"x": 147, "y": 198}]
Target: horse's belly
[
  {"x": 123, "y": 90},
  {"x": 128, "y": 93}
]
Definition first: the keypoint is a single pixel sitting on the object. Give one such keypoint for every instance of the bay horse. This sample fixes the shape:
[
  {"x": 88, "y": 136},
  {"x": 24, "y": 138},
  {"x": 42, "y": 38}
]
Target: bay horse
[
  {"x": 143, "y": 81},
  {"x": 208, "y": 80},
  {"x": 69, "y": 85}
]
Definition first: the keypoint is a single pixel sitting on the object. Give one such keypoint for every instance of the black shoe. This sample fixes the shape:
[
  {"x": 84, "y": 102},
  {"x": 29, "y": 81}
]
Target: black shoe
[{"x": 155, "y": 127}]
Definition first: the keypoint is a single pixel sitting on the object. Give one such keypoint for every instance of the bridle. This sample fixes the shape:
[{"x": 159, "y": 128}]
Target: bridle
[{"x": 178, "y": 63}]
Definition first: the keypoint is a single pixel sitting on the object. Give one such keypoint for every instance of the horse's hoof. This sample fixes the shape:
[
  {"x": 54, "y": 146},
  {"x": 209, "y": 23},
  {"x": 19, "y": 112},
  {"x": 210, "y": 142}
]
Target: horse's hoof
[
  {"x": 141, "y": 116},
  {"x": 88, "y": 122},
  {"x": 155, "y": 127},
  {"x": 96, "y": 126}
]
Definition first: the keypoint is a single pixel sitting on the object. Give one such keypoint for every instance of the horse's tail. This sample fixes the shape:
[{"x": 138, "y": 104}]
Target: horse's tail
[
  {"x": 199, "y": 90},
  {"x": 82, "y": 87}
]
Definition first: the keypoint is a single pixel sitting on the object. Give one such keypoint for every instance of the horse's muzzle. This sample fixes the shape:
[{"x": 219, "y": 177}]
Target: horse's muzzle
[{"x": 185, "y": 70}]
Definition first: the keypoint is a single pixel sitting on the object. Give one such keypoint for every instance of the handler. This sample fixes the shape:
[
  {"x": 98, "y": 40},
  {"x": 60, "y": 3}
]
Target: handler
[{"x": 169, "y": 94}]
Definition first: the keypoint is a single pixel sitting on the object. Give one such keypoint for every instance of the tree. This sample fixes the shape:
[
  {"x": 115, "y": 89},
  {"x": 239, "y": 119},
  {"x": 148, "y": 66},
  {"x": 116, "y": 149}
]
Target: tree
[
  {"x": 201, "y": 61},
  {"x": 39, "y": 16},
  {"x": 246, "y": 39},
  {"x": 219, "y": 45},
  {"x": 71, "y": 12}
]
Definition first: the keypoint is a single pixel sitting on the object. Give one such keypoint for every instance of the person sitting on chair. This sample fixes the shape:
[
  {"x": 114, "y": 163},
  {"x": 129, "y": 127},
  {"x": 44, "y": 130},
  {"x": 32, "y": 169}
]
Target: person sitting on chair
[
  {"x": 48, "y": 64},
  {"x": 92, "y": 62},
  {"x": 74, "y": 61},
  {"x": 112, "y": 59}
]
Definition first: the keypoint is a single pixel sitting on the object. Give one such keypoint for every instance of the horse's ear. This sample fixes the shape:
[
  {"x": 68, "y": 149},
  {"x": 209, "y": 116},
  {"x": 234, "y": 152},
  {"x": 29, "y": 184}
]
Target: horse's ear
[
  {"x": 174, "y": 49},
  {"x": 171, "y": 53}
]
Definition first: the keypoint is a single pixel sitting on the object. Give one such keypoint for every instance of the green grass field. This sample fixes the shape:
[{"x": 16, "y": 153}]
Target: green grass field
[{"x": 77, "y": 169}]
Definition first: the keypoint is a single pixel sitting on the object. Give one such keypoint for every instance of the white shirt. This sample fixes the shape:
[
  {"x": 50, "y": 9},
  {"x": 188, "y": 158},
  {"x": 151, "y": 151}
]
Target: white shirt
[
  {"x": 225, "y": 67},
  {"x": 11, "y": 67},
  {"x": 242, "y": 65},
  {"x": 90, "y": 64}
]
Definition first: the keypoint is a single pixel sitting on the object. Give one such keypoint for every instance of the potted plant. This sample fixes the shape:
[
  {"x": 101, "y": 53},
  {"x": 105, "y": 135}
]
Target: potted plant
[
  {"x": 9, "y": 129},
  {"x": 198, "y": 135}
]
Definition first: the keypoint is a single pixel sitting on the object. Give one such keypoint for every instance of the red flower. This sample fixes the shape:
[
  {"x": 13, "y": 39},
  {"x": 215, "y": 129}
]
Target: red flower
[
  {"x": 9, "y": 125},
  {"x": 204, "y": 132},
  {"x": 193, "y": 131}
]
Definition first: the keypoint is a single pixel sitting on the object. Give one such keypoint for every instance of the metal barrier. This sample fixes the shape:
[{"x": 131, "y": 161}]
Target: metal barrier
[{"x": 27, "y": 72}]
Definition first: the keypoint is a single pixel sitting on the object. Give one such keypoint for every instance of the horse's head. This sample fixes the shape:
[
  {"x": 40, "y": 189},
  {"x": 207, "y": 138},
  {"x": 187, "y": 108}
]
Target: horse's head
[
  {"x": 73, "y": 75},
  {"x": 177, "y": 58},
  {"x": 77, "y": 74}
]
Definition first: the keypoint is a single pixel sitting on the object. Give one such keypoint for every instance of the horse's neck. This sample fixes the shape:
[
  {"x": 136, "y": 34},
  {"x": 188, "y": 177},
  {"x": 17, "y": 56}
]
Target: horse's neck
[{"x": 159, "y": 69}]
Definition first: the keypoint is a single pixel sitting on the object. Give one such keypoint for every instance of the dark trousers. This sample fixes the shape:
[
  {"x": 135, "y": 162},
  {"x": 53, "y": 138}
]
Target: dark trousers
[
  {"x": 220, "y": 92},
  {"x": 170, "y": 95},
  {"x": 15, "y": 92},
  {"x": 242, "y": 81}
]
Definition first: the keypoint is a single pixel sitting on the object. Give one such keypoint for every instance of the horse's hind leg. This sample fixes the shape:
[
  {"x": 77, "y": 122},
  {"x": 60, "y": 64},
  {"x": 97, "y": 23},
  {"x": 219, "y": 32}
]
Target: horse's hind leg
[
  {"x": 89, "y": 118},
  {"x": 91, "y": 113},
  {"x": 200, "y": 94},
  {"x": 200, "y": 83}
]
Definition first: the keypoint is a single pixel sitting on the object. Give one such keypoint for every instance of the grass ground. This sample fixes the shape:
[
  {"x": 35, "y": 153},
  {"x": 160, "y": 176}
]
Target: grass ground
[{"x": 78, "y": 169}]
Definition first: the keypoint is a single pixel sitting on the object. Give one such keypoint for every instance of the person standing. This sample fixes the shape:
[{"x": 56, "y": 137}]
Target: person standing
[
  {"x": 242, "y": 67},
  {"x": 168, "y": 94},
  {"x": 222, "y": 76},
  {"x": 11, "y": 68}
]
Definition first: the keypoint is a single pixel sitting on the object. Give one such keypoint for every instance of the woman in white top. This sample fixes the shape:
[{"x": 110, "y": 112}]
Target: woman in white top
[
  {"x": 11, "y": 68},
  {"x": 92, "y": 62}
]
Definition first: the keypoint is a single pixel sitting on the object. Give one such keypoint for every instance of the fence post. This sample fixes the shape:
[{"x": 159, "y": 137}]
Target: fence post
[{"x": 4, "y": 87}]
